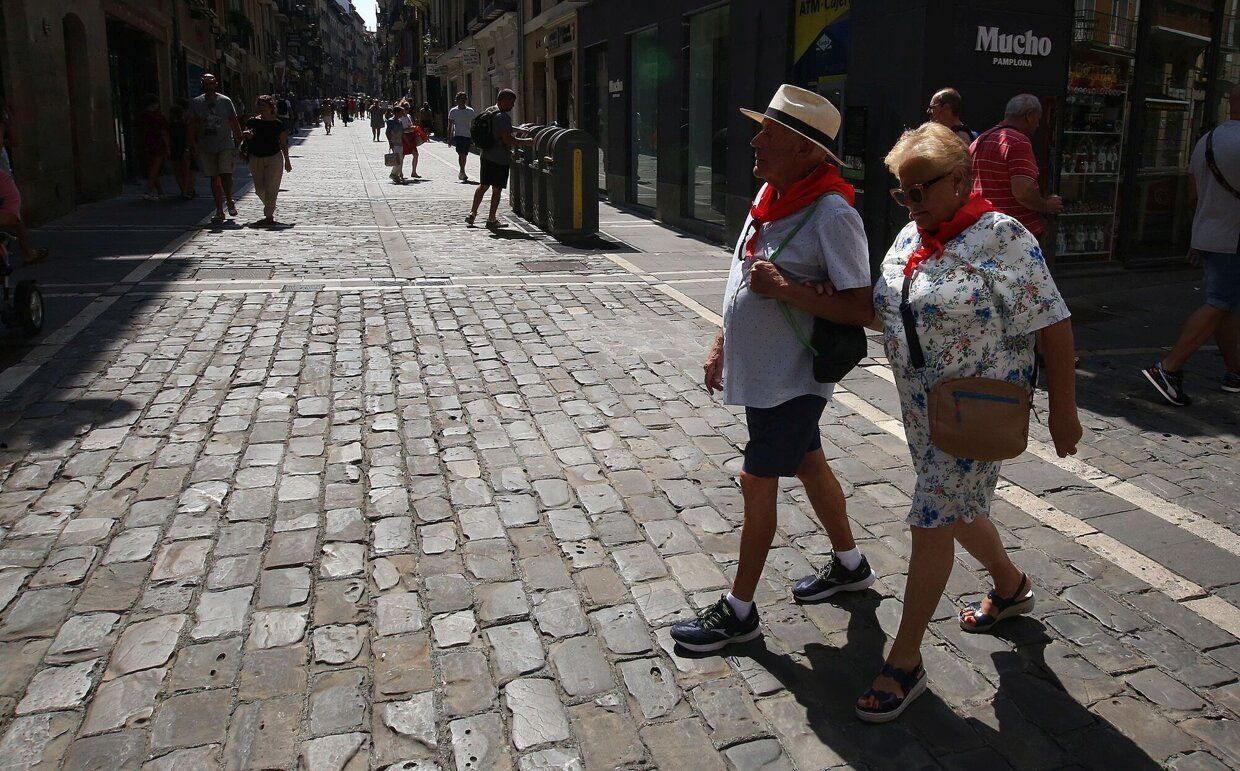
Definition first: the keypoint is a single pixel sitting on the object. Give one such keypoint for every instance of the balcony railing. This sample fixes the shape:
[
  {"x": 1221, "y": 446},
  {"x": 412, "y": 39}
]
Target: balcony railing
[
  {"x": 1105, "y": 30},
  {"x": 489, "y": 12}
]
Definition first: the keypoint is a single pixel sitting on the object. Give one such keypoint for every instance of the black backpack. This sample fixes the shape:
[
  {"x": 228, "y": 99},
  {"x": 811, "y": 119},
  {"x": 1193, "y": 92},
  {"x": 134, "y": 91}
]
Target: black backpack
[{"x": 481, "y": 131}]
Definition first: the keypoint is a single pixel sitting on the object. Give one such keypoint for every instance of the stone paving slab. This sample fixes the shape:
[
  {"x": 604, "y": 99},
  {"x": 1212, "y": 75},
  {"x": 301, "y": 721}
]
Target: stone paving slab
[{"x": 450, "y": 526}]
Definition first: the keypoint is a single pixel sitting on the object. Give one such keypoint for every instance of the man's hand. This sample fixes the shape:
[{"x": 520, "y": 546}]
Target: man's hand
[
  {"x": 288, "y": 165},
  {"x": 1194, "y": 257},
  {"x": 823, "y": 287},
  {"x": 1065, "y": 431},
  {"x": 1054, "y": 204},
  {"x": 765, "y": 280},
  {"x": 713, "y": 369}
]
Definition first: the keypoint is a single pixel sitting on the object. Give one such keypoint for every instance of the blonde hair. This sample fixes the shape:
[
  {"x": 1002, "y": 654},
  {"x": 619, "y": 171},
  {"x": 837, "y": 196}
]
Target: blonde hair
[{"x": 933, "y": 142}]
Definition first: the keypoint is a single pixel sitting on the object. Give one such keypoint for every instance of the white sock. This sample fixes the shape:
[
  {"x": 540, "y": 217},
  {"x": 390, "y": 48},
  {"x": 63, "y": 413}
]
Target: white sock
[
  {"x": 851, "y": 558},
  {"x": 740, "y": 607}
]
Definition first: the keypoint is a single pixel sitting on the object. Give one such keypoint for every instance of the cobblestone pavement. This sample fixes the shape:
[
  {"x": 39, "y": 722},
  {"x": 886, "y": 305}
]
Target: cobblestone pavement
[{"x": 377, "y": 490}]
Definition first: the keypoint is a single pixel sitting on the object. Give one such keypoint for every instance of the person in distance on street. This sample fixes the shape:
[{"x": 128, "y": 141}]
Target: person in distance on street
[
  {"x": 1215, "y": 177},
  {"x": 802, "y": 229},
  {"x": 945, "y": 108},
  {"x": 978, "y": 295},
  {"x": 461, "y": 121},
  {"x": 266, "y": 144}
]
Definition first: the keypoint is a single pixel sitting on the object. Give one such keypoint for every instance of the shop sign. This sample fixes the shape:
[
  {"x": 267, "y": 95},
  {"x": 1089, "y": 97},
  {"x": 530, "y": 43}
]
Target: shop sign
[
  {"x": 615, "y": 86},
  {"x": 1025, "y": 45},
  {"x": 1016, "y": 47},
  {"x": 470, "y": 57},
  {"x": 820, "y": 45}
]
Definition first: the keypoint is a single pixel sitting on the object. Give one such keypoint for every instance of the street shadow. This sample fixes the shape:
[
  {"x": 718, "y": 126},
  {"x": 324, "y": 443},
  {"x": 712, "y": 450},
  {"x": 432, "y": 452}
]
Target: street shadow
[
  {"x": 46, "y": 423},
  {"x": 1033, "y": 720},
  {"x": 510, "y": 234}
]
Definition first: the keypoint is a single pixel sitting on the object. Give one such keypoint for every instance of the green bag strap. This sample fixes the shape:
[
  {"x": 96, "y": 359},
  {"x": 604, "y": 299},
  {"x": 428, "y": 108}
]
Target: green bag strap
[{"x": 783, "y": 306}]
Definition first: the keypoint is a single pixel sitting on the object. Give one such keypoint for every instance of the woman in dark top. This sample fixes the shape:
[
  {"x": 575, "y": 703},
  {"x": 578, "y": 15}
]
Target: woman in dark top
[
  {"x": 377, "y": 121},
  {"x": 178, "y": 134},
  {"x": 154, "y": 146},
  {"x": 266, "y": 145}
]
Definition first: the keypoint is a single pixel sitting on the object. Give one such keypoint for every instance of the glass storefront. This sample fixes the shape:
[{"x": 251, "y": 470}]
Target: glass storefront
[
  {"x": 1146, "y": 79},
  {"x": 594, "y": 98},
  {"x": 707, "y": 125},
  {"x": 646, "y": 62}
]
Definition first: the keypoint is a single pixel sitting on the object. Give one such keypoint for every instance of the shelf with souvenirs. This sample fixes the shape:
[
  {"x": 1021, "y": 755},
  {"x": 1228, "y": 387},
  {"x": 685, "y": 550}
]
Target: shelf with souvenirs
[{"x": 1090, "y": 160}]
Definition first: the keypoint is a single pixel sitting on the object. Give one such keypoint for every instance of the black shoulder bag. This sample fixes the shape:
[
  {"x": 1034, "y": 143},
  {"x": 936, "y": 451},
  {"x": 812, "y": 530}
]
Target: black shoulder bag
[{"x": 836, "y": 348}]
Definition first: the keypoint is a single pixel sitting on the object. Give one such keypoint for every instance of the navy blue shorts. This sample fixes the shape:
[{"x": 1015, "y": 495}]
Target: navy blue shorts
[
  {"x": 781, "y": 436},
  {"x": 462, "y": 144},
  {"x": 1222, "y": 279},
  {"x": 493, "y": 174}
]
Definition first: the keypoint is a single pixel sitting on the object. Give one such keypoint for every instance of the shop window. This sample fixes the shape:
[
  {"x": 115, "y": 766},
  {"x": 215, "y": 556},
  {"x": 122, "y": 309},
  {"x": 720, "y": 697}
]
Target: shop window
[
  {"x": 647, "y": 66},
  {"x": 594, "y": 104},
  {"x": 708, "y": 120}
]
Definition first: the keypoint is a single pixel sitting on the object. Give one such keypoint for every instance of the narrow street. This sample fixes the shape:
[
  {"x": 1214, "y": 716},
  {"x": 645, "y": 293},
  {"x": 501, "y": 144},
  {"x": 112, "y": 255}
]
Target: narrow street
[{"x": 373, "y": 489}]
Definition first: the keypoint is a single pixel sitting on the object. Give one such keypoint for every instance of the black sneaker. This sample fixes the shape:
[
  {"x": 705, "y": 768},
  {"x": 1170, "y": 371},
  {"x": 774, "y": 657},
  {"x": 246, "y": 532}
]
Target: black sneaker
[
  {"x": 1169, "y": 384},
  {"x": 832, "y": 579},
  {"x": 716, "y": 627}
]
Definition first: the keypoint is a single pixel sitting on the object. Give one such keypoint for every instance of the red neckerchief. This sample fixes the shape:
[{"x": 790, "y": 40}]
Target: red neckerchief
[
  {"x": 771, "y": 206},
  {"x": 932, "y": 243}
]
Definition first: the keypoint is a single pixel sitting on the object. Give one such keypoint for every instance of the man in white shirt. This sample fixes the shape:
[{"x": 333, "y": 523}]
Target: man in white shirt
[
  {"x": 1215, "y": 170},
  {"x": 462, "y": 119}
]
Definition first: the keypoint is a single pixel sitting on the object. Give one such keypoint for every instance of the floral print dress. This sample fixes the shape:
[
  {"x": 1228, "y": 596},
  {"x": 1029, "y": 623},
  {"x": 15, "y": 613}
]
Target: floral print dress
[{"x": 976, "y": 308}]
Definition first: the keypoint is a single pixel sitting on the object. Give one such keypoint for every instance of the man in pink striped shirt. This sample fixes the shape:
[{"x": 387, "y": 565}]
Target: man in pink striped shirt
[{"x": 1004, "y": 169}]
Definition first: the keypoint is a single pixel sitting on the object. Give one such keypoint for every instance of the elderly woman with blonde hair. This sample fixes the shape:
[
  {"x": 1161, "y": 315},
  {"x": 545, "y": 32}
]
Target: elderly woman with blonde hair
[{"x": 963, "y": 294}]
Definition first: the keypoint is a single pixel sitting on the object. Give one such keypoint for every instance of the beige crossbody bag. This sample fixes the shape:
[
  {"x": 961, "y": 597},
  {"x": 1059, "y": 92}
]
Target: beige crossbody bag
[{"x": 976, "y": 418}]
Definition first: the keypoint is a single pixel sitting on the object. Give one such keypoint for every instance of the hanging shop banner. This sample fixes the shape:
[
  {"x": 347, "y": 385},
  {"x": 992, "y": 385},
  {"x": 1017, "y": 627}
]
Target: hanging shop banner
[{"x": 820, "y": 42}]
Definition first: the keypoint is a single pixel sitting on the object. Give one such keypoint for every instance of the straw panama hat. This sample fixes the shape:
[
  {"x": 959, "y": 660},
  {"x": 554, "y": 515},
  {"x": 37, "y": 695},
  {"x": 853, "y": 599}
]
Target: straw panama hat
[{"x": 810, "y": 115}]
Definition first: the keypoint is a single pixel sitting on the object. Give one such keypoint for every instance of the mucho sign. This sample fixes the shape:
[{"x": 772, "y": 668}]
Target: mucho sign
[{"x": 1012, "y": 49}]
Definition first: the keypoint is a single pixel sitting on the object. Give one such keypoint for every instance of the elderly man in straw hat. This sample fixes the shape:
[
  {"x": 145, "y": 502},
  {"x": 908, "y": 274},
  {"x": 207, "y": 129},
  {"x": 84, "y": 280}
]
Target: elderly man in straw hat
[{"x": 802, "y": 231}]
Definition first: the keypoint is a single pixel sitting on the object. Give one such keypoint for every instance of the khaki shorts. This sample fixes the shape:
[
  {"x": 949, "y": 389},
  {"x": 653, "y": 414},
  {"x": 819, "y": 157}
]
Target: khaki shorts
[{"x": 215, "y": 164}]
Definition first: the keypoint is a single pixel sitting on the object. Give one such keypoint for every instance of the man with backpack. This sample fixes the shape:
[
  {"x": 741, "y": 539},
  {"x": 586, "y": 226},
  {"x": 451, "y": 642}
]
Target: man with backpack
[
  {"x": 1215, "y": 170},
  {"x": 493, "y": 133}
]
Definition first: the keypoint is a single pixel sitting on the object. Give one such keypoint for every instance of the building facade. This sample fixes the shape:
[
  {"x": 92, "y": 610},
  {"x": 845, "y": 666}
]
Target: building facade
[
  {"x": 657, "y": 87},
  {"x": 480, "y": 54},
  {"x": 549, "y": 84}
]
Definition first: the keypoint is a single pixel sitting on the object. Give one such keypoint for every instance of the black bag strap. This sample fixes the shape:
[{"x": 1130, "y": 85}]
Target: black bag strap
[
  {"x": 1218, "y": 174},
  {"x": 916, "y": 355}
]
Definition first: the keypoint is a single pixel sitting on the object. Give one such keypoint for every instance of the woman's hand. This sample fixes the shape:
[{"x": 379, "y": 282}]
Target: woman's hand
[
  {"x": 713, "y": 368},
  {"x": 765, "y": 279},
  {"x": 1066, "y": 431}
]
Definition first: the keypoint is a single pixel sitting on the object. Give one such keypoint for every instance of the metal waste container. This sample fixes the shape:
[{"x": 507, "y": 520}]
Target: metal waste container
[
  {"x": 520, "y": 185},
  {"x": 540, "y": 170},
  {"x": 570, "y": 158}
]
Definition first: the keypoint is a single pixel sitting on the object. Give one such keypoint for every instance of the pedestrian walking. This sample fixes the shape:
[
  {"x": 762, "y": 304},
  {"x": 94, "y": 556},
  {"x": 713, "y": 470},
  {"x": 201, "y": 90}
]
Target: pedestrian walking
[
  {"x": 1215, "y": 173},
  {"x": 329, "y": 115},
  {"x": 214, "y": 133},
  {"x": 461, "y": 121},
  {"x": 414, "y": 137},
  {"x": 426, "y": 118},
  {"x": 11, "y": 220},
  {"x": 945, "y": 107},
  {"x": 802, "y": 229},
  {"x": 284, "y": 111},
  {"x": 1005, "y": 171},
  {"x": 963, "y": 293},
  {"x": 178, "y": 149},
  {"x": 266, "y": 144},
  {"x": 155, "y": 146},
  {"x": 376, "y": 119},
  {"x": 494, "y": 143},
  {"x": 6, "y": 137},
  {"x": 396, "y": 125},
  {"x": 346, "y": 111}
]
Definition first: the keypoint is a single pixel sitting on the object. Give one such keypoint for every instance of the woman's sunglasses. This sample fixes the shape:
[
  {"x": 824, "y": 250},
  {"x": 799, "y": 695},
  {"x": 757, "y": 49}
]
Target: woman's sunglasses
[{"x": 916, "y": 193}]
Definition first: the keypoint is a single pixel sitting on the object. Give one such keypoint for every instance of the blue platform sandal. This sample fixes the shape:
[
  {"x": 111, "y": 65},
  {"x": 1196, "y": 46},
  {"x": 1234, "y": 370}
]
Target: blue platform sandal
[{"x": 891, "y": 706}]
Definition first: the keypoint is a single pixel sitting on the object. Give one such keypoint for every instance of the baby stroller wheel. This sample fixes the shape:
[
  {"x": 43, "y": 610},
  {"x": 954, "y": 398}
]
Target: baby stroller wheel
[{"x": 28, "y": 307}]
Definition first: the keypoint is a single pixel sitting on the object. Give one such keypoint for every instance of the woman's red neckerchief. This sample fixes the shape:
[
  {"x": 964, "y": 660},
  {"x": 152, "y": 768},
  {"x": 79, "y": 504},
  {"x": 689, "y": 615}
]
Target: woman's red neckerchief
[
  {"x": 770, "y": 208},
  {"x": 932, "y": 242}
]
